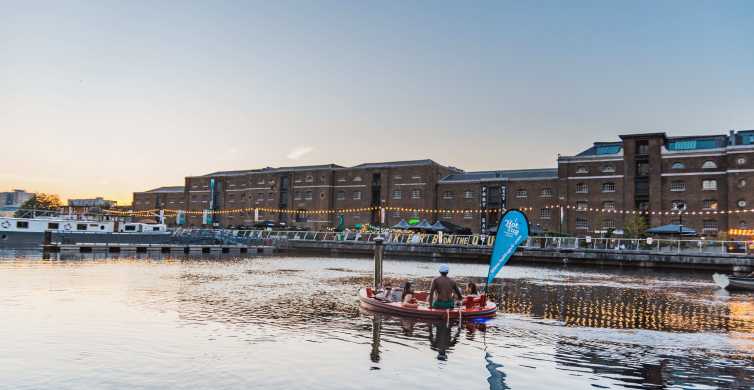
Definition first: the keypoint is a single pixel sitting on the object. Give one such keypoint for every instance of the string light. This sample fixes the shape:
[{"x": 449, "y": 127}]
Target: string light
[{"x": 567, "y": 207}]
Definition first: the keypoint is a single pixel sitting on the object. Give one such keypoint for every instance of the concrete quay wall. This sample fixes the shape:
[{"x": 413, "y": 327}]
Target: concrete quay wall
[{"x": 480, "y": 254}]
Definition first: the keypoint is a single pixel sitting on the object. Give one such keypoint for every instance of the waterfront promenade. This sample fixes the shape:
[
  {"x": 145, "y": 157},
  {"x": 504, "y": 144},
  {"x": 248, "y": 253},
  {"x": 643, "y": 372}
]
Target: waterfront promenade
[{"x": 689, "y": 254}]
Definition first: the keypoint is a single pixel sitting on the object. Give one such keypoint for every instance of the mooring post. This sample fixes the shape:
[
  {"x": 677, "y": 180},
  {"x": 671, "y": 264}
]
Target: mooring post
[{"x": 379, "y": 250}]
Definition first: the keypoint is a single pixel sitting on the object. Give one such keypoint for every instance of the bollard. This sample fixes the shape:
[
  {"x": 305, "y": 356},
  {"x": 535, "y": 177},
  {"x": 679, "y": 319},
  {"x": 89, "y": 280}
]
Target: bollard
[{"x": 379, "y": 250}]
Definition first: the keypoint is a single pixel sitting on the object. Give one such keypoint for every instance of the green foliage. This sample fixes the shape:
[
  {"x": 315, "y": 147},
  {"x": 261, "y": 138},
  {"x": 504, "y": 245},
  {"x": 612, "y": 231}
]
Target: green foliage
[
  {"x": 39, "y": 201},
  {"x": 635, "y": 226}
]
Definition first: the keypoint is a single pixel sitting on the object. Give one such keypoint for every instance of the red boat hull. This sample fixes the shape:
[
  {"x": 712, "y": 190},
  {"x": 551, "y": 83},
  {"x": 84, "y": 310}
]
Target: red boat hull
[{"x": 397, "y": 309}]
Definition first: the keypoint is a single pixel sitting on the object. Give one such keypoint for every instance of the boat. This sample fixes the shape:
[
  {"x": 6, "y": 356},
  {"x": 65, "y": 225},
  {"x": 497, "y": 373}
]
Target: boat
[
  {"x": 729, "y": 282},
  {"x": 514, "y": 230},
  {"x": 24, "y": 232},
  {"x": 473, "y": 307}
]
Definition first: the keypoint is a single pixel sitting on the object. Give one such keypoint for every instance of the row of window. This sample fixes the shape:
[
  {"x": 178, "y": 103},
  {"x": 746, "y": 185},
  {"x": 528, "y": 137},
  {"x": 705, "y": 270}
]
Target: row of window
[
  {"x": 709, "y": 164},
  {"x": 583, "y": 188},
  {"x": 604, "y": 169},
  {"x": 680, "y": 186},
  {"x": 415, "y": 194}
]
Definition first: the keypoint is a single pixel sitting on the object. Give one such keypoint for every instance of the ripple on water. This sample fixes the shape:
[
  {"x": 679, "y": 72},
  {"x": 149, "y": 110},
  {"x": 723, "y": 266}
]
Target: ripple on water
[{"x": 285, "y": 322}]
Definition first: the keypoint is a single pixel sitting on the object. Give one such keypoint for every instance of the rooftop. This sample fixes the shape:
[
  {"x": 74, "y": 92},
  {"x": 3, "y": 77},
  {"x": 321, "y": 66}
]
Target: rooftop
[
  {"x": 602, "y": 148},
  {"x": 517, "y": 174},
  {"x": 273, "y": 169},
  {"x": 389, "y": 164},
  {"x": 393, "y": 164},
  {"x": 166, "y": 189}
]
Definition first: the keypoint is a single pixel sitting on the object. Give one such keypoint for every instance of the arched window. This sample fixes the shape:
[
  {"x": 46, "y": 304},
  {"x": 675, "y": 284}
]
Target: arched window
[
  {"x": 581, "y": 170},
  {"x": 357, "y": 178},
  {"x": 709, "y": 165},
  {"x": 608, "y": 169},
  {"x": 678, "y": 165}
]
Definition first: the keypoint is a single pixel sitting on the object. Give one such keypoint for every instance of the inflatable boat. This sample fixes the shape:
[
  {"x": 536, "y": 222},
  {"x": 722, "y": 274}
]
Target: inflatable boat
[{"x": 472, "y": 307}]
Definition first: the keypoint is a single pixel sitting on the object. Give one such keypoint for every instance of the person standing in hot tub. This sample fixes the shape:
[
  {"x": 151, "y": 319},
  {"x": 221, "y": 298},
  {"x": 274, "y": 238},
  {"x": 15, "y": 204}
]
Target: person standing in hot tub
[{"x": 444, "y": 287}]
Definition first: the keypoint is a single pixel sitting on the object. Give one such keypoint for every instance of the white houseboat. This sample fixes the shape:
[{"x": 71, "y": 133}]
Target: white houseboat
[{"x": 70, "y": 229}]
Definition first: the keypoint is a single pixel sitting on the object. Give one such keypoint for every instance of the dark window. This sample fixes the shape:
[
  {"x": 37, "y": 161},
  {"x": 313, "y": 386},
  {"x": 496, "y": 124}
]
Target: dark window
[
  {"x": 642, "y": 147},
  {"x": 130, "y": 228},
  {"x": 642, "y": 169},
  {"x": 155, "y": 228},
  {"x": 22, "y": 224},
  {"x": 81, "y": 226},
  {"x": 53, "y": 226}
]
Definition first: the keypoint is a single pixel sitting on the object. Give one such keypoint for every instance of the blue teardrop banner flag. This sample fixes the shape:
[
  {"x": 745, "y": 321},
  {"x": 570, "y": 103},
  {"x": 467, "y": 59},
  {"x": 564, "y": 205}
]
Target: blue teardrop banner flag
[{"x": 511, "y": 232}]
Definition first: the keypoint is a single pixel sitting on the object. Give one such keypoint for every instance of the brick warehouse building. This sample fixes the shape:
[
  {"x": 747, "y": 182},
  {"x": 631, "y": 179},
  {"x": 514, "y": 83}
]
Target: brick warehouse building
[{"x": 647, "y": 171}]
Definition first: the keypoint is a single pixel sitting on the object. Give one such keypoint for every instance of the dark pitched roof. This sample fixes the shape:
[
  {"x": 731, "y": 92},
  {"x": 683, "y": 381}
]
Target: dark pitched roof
[
  {"x": 391, "y": 164},
  {"x": 166, "y": 189},
  {"x": 272, "y": 169},
  {"x": 517, "y": 174}
]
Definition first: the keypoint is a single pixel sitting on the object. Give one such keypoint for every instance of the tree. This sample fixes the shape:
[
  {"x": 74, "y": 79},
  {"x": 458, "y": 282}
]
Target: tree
[
  {"x": 39, "y": 201},
  {"x": 635, "y": 226}
]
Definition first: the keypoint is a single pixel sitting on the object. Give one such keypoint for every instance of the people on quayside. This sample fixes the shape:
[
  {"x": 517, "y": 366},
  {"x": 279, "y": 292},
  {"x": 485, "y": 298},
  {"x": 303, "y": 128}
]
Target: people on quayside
[{"x": 444, "y": 287}]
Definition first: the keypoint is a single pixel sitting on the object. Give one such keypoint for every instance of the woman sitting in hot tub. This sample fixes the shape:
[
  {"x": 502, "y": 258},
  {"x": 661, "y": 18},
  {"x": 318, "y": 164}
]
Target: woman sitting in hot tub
[{"x": 407, "y": 299}]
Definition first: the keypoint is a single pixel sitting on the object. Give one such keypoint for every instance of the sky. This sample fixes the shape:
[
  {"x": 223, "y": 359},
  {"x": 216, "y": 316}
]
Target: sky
[{"x": 104, "y": 98}]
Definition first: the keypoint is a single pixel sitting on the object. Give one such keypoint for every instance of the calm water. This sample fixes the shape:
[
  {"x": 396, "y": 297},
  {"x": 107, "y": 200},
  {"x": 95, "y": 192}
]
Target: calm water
[{"x": 295, "y": 323}]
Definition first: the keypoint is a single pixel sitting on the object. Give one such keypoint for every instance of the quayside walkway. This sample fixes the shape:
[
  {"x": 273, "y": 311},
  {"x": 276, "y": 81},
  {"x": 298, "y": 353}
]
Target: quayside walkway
[{"x": 690, "y": 254}]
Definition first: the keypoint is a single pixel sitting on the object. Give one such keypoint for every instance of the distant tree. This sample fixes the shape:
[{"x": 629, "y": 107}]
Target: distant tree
[
  {"x": 39, "y": 201},
  {"x": 635, "y": 226}
]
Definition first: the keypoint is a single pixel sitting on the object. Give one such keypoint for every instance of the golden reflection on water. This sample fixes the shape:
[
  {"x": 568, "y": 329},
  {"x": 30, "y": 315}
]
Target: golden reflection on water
[{"x": 622, "y": 308}]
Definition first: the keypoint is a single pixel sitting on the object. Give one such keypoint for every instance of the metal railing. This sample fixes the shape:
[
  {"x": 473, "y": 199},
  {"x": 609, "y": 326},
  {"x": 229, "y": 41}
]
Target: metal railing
[{"x": 660, "y": 246}]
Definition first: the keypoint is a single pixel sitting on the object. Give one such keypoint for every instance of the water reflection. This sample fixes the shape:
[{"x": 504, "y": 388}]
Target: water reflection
[
  {"x": 619, "y": 307},
  {"x": 294, "y": 321}
]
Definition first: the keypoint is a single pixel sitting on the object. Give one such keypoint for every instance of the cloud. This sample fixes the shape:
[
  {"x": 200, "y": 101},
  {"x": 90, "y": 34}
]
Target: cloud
[{"x": 299, "y": 152}]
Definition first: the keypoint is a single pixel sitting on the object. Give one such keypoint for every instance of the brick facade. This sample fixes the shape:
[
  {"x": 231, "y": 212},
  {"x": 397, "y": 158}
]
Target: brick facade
[{"x": 648, "y": 171}]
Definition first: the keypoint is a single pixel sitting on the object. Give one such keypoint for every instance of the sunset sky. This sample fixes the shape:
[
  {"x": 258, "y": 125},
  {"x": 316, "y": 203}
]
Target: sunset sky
[{"x": 106, "y": 98}]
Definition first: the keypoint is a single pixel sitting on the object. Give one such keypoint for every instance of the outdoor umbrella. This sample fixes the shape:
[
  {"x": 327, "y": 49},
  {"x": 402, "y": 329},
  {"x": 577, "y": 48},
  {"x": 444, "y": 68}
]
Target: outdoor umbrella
[
  {"x": 401, "y": 225},
  {"x": 439, "y": 227},
  {"x": 672, "y": 229},
  {"x": 423, "y": 225}
]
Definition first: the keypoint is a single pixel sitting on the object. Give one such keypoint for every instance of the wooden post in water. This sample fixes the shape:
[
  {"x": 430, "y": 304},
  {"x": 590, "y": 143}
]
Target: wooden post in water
[{"x": 379, "y": 250}]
